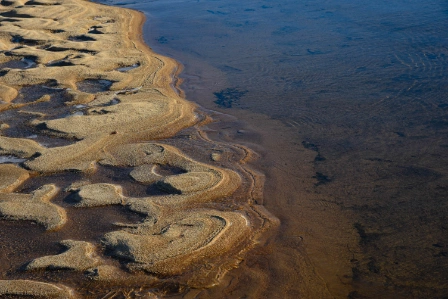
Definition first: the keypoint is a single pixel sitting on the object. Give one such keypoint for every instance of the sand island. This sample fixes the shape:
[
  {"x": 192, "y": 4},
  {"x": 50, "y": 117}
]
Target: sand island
[{"x": 90, "y": 120}]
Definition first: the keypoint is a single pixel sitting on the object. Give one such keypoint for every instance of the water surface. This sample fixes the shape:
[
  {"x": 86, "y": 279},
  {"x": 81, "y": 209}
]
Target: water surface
[{"x": 349, "y": 99}]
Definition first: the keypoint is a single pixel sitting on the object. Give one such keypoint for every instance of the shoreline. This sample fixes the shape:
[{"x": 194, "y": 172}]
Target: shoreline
[
  {"x": 174, "y": 67},
  {"x": 191, "y": 211},
  {"x": 314, "y": 259},
  {"x": 340, "y": 125}
]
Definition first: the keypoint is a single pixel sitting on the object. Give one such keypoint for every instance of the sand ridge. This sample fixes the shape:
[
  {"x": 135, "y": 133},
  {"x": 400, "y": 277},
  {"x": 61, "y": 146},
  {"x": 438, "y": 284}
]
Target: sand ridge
[
  {"x": 29, "y": 288},
  {"x": 78, "y": 77},
  {"x": 79, "y": 256},
  {"x": 11, "y": 176},
  {"x": 34, "y": 207}
]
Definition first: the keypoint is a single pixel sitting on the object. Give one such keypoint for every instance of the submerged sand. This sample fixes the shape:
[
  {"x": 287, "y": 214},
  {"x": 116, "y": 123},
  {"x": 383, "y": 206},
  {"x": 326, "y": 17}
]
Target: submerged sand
[{"x": 93, "y": 96}]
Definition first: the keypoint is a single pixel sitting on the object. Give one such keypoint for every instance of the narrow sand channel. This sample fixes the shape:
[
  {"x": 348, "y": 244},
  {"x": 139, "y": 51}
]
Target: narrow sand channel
[{"x": 113, "y": 189}]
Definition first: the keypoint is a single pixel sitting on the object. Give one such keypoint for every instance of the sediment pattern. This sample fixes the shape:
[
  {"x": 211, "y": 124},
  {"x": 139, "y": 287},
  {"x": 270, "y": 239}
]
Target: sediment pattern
[
  {"x": 79, "y": 256},
  {"x": 33, "y": 207},
  {"x": 82, "y": 95},
  {"x": 30, "y": 289}
]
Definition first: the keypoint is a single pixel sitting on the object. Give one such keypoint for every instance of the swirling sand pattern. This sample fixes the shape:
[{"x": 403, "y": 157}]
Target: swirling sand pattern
[{"x": 97, "y": 86}]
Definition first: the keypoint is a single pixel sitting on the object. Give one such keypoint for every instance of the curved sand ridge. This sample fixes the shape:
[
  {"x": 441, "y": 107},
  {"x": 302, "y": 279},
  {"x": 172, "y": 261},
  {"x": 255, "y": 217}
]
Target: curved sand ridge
[
  {"x": 84, "y": 76},
  {"x": 34, "y": 289}
]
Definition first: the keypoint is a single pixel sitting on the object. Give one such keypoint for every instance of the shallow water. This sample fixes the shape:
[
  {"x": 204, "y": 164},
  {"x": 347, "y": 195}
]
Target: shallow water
[
  {"x": 349, "y": 101},
  {"x": 18, "y": 64},
  {"x": 94, "y": 86},
  {"x": 10, "y": 159}
]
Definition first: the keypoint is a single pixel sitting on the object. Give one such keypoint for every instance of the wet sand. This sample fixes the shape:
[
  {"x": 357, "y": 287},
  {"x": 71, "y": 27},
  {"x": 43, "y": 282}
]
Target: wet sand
[{"x": 119, "y": 190}]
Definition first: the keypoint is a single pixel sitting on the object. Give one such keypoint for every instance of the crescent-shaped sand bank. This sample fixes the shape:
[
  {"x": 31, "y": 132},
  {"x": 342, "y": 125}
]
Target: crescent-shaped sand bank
[{"x": 90, "y": 124}]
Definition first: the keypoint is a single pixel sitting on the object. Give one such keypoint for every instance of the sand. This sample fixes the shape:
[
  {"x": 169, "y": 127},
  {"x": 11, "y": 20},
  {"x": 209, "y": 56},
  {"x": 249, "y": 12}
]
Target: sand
[
  {"x": 34, "y": 289},
  {"x": 11, "y": 177},
  {"x": 101, "y": 99},
  {"x": 33, "y": 207},
  {"x": 79, "y": 256}
]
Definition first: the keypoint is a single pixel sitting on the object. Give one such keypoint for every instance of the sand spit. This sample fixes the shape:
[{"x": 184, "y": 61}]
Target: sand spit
[
  {"x": 78, "y": 71},
  {"x": 22, "y": 148},
  {"x": 79, "y": 256},
  {"x": 33, "y": 207},
  {"x": 11, "y": 177}
]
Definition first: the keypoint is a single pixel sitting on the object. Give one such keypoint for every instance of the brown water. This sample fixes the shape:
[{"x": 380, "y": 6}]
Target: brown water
[{"x": 349, "y": 102}]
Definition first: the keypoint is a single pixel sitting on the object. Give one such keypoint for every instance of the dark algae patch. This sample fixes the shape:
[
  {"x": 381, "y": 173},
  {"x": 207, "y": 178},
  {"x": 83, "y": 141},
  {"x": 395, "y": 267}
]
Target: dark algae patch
[
  {"x": 162, "y": 40},
  {"x": 321, "y": 178},
  {"x": 314, "y": 147},
  {"x": 229, "y": 97},
  {"x": 364, "y": 237}
]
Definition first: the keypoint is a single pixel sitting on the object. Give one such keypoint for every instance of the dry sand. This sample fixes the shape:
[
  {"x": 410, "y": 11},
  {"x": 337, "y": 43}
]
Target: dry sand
[{"x": 85, "y": 57}]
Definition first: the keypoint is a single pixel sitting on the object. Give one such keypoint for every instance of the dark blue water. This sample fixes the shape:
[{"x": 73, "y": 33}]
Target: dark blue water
[{"x": 363, "y": 85}]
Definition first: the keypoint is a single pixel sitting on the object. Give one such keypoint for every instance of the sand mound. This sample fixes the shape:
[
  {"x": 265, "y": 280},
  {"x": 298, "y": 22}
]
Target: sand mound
[
  {"x": 33, "y": 207},
  {"x": 20, "y": 147},
  {"x": 80, "y": 156},
  {"x": 146, "y": 174},
  {"x": 11, "y": 176},
  {"x": 197, "y": 182},
  {"x": 96, "y": 195},
  {"x": 188, "y": 182},
  {"x": 143, "y": 114},
  {"x": 79, "y": 256},
  {"x": 7, "y": 93},
  {"x": 176, "y": 242},
  {"x": 34, "y": 289}
]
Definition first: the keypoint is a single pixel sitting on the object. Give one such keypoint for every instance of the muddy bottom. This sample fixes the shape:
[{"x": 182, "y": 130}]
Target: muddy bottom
[
  {"x": 24, "y": 63},
  {"x": 38, "y": 102},
  {"x": 94, "y": 86}
]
